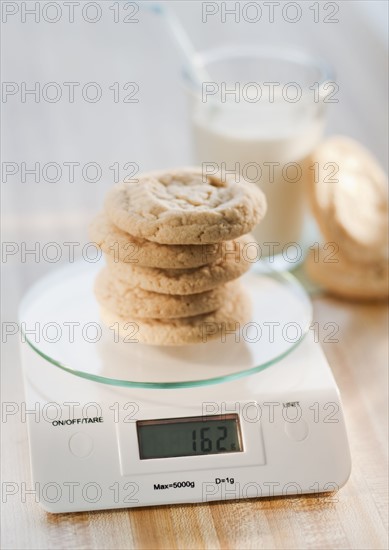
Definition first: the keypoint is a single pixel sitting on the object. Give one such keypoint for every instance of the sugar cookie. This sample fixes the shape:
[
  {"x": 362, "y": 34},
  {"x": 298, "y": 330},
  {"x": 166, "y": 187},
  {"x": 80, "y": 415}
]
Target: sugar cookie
[
  {"x": 186, "y": 281},
  {"x": 178, "y": 207},
  {"x": 348, "y": 279},
  {"x": 124, "y": 247},
  {"x": 125, "y": 300},
  {"x": 191, "y": 330},
  {"x": 350, "y": 199}
]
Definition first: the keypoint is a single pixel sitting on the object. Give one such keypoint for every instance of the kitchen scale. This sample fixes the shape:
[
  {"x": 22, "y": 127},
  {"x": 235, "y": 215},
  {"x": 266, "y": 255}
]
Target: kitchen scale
[{"x": 121, "y": 424}]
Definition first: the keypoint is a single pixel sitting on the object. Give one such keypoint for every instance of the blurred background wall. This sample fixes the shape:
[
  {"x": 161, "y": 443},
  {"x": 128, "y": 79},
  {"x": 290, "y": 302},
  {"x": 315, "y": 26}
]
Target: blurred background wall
[{"x": 153, "y": 133}]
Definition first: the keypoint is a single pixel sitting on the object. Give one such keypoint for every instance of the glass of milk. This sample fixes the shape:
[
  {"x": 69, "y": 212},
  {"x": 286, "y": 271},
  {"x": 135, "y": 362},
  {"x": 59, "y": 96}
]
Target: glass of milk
[{"x": 259, "y": 112}]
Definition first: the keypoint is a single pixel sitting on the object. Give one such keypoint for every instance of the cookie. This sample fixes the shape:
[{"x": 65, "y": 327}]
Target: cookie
[
  {"x": 232, "y": 316},
  {"x": 187, "y": 281},
  {"x": 350, "y": 199},
  {"x": 124, "y": 247},
  {"x": 348, "y": 279},
  {"x": 184, "y": 207},
  {"x": 122, "y": 299}
]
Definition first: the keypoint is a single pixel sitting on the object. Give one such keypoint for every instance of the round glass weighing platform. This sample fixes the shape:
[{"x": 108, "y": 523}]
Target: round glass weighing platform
[{"x": 60, "y": 320}]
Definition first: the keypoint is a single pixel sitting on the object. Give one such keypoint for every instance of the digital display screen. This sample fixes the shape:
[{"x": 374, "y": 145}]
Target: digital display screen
[{"x": 192, "y": 436}]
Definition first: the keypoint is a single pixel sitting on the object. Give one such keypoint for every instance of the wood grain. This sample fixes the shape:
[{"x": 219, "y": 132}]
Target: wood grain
[{"x": 355, "y": 517}]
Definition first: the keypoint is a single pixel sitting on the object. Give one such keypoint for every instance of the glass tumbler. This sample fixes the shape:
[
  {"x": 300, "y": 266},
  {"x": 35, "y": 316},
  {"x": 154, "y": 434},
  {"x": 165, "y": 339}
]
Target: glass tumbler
[{"x": 259, "y": 112}]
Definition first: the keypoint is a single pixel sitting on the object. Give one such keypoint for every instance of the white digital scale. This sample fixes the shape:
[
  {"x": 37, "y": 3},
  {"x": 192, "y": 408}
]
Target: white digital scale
[{"x": 122, "y": 424}]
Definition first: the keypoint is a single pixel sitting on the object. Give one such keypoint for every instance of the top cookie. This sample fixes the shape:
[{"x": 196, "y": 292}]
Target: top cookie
[
  {"x": 351, "y": 204},
  {"x": 178, "y": 207}
]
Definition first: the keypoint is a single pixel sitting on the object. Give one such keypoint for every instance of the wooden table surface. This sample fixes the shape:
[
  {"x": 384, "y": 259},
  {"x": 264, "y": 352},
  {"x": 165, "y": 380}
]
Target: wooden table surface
[{"x": 355, "y": 517}]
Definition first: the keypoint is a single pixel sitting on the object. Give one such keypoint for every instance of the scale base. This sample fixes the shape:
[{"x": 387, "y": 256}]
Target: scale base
[{"x": 84, "y": 450}]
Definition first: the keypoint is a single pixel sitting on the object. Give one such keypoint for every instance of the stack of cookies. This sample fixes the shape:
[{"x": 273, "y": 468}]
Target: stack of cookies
[
  {"x": 175, "y": 244},
  {"x": 350, "y": 202}
]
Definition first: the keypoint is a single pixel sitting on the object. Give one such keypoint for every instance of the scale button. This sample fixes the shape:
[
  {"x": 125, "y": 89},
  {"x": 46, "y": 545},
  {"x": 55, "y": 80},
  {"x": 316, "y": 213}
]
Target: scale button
[
  {"x": 81, "y": 444},
  {"x": 298, "y": 431}
]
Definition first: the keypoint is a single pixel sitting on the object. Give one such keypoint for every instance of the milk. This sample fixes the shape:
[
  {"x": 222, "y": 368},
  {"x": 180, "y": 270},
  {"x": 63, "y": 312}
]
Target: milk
[{"x": 250, "y": 138}]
